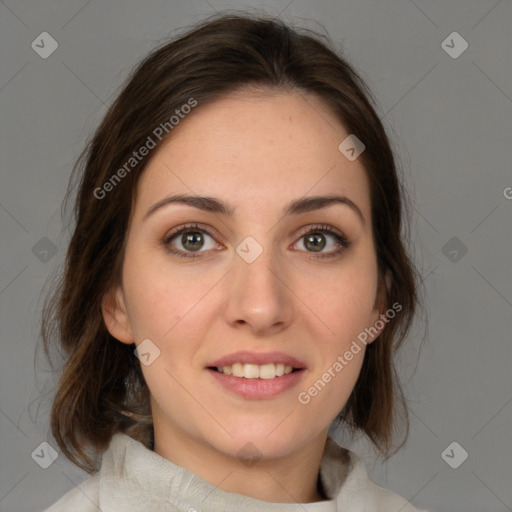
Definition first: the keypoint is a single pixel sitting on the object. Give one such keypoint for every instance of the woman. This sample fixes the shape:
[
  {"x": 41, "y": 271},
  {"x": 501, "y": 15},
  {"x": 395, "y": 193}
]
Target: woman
[{"x": 235, "y": 282}]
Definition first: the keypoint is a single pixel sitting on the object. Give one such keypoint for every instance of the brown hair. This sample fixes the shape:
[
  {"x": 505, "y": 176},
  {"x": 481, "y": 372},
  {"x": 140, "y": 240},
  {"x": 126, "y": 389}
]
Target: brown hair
[{"x": 102, "y": 390}]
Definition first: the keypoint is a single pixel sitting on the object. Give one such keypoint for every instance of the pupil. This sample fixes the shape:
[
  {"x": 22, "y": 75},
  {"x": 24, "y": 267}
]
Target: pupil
[
  {"x": 192, "y": 238},
  {"x": 316, "y": 246}
]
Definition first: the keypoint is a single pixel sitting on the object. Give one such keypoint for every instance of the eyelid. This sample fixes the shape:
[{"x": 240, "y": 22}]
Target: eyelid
[
  {"x": 323, "y": 228},
  {"x": 191, "y": 226}
]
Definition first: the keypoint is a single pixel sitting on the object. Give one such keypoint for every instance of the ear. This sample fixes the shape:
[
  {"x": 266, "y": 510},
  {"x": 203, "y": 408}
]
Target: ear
[
  {"x": 116, "y": 316},
  {"x": 380, "y": 306}
]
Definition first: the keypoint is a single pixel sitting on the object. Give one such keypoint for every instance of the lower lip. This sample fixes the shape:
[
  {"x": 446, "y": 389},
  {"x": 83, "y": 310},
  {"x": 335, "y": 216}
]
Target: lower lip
[{"x": 257, "y": 388}]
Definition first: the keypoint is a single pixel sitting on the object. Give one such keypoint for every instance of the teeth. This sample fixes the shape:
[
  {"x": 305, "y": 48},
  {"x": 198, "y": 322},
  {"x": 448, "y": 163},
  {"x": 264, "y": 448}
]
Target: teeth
[
  {"x": 266, "y": 371},
  {"x": 254, "y": 371},
  {"x": 251, "y": 371},
  {"x": 237, "y": 370}
]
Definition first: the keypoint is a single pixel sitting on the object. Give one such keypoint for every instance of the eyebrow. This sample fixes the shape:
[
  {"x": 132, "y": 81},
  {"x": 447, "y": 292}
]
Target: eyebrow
[{"x": 296, "y": 207}]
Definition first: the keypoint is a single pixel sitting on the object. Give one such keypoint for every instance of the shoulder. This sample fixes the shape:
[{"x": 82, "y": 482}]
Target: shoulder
[
  {"x": 87, "y": 496},
  {"x": 345, "y": 477},
  {"x": 83, "y": 498},
  {"x": 390, "y": 501},
  {"x": 374, "y": 496}
]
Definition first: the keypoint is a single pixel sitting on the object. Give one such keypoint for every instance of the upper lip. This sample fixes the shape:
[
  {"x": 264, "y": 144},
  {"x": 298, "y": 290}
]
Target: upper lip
[{"x": 261, "y": 358}]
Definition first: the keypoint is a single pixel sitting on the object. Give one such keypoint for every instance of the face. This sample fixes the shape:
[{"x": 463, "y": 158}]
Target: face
[{"x": 255, "y": 287}]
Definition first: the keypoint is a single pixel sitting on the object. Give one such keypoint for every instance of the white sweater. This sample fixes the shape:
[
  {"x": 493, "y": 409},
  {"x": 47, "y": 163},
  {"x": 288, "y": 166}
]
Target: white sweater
[{"x": 133, "y": 478}]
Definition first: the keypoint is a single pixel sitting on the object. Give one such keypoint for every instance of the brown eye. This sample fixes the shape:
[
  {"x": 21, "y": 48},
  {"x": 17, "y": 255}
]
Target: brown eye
[
  {"x": 188, "y": 240},
  {"x": 315, "y": 241},
  {"x": 192, "y": 240}
]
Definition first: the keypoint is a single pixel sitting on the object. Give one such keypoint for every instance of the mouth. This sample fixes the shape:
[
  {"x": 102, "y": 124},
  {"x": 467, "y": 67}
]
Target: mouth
[{"x": 257, "y": 376}]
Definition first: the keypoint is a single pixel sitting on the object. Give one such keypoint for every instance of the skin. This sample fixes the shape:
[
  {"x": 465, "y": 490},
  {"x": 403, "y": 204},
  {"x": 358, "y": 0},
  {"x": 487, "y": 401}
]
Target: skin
[{"x": 256, "y": 152}]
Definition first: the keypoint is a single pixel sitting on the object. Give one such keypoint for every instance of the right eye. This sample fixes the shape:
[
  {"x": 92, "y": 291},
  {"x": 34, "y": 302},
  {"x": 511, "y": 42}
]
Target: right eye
[{"x": 192, "y": 239}]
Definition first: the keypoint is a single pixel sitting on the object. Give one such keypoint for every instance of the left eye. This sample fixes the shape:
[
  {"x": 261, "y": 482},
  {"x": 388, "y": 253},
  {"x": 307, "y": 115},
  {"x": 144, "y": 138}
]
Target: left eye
[{"x": 317, "y": 240}]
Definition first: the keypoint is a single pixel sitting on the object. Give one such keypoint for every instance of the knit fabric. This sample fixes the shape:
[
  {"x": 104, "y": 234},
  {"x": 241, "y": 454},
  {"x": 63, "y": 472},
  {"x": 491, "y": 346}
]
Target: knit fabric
[{"x": 133, "y": 478}]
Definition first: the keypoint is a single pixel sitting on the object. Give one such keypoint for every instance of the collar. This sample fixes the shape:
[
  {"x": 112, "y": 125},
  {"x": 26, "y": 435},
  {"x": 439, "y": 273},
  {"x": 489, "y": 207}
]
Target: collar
[{"x": 132, "y": 477}]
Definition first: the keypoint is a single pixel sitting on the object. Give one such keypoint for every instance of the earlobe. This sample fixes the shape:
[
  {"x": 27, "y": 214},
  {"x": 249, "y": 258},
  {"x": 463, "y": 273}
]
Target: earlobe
[{"x": 116, "y": 316}]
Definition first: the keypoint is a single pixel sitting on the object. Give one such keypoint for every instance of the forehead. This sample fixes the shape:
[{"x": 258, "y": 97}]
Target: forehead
[{"x": 247, "y": 147}]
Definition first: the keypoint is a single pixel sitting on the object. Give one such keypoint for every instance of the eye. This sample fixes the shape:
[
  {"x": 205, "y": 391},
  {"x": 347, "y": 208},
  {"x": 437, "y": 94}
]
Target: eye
[
  {"x": 192, "y": 239},
  {"x": 315, "y": 239}
]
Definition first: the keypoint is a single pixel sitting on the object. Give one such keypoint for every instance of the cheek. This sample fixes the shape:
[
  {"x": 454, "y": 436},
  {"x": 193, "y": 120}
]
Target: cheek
[
  {"x": 344, "y": 301},
  {"x": 172, "y": 307},
  {"x": 156, "y": 299},
  {"x": 355, "y": 301},
  {"x": 347, "y": 308}
]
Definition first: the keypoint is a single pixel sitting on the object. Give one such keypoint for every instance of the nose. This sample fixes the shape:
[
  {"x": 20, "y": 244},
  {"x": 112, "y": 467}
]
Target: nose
[{"x": 259, "y": 298}]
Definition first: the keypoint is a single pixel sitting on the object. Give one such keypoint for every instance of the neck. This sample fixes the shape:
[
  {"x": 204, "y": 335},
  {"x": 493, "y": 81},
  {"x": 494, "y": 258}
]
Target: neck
[{"x": 288, "y": 479}]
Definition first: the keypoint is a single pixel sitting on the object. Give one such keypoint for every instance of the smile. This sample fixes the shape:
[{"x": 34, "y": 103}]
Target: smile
[{"x": 257, "y": 387}]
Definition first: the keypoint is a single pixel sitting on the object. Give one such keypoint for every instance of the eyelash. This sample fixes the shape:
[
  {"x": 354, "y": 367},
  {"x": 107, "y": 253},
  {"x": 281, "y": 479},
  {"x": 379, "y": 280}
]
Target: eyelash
[{"x": 342, "y": 241}]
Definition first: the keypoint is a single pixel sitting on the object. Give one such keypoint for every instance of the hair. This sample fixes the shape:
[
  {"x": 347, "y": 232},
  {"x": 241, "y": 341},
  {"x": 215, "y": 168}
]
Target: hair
[{"x": 102, "y": 390}]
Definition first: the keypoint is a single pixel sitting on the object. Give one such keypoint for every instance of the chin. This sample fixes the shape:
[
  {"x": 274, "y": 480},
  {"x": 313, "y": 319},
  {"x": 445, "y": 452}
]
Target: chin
[{"x": 263, "y": 441}]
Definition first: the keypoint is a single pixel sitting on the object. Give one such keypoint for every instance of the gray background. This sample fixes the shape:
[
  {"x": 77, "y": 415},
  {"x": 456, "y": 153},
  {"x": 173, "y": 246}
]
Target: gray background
[{"x": 451, "y": 122}]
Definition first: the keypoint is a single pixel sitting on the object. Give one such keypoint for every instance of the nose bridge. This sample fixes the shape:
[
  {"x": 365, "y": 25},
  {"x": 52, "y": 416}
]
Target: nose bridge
[
  {"x": 257, "y": 293},
  {"x": 257, "y": 264}
]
